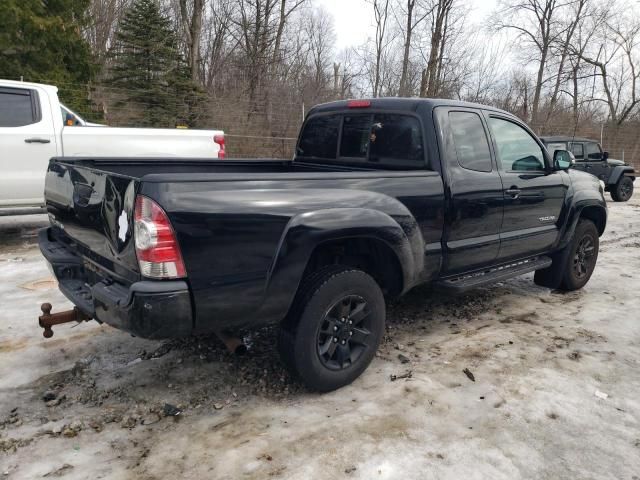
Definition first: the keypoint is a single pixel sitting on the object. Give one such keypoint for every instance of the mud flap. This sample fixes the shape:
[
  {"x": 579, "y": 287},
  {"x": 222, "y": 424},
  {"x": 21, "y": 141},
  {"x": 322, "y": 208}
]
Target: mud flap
[{"x": 551, "y": 277}]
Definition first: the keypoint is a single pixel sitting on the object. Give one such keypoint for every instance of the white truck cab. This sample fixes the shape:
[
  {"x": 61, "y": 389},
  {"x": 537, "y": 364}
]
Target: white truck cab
[{"x": 35, "y": 126}]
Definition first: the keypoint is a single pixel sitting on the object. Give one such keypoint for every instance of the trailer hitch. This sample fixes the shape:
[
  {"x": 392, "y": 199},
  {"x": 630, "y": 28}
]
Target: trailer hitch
[{"x": 48, "y": 319}]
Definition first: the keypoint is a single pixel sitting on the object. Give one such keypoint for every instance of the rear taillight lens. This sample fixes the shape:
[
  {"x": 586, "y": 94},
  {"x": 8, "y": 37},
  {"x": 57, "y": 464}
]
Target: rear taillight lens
[
  {"x": 156, "y": 244},
  {"x": 219, "y": 139}
]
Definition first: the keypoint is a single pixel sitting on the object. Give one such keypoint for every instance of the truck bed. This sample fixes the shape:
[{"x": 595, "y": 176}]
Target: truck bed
[
  {"x": 153, "y": 168},
  {"x": 232, "y": 217}
]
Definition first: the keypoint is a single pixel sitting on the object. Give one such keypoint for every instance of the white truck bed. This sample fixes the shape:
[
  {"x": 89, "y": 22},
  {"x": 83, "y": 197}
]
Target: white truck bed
[{"x": 32, "y": 130}]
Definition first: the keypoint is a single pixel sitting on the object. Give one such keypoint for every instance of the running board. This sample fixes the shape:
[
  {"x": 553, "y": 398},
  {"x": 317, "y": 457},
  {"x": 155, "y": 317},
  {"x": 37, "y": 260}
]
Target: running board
[{"x": 493, "y": 275}]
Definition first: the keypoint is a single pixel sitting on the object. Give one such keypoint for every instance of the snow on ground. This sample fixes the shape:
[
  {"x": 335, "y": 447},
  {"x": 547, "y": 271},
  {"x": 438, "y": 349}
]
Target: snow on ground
[{"x": 538, "y": 358}]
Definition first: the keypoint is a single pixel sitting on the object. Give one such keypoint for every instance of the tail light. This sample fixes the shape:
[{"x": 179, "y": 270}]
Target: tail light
[
  {"x": 156, "y": 245},
  {"x": 219, "y": 139}
]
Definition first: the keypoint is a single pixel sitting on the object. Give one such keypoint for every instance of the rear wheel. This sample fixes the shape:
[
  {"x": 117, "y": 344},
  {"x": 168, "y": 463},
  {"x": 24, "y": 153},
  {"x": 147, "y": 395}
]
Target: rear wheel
[
  {"x": 582, "y": 258},
  {"x": 623, "y": 190},
  {"x": 334, "y": 327}
]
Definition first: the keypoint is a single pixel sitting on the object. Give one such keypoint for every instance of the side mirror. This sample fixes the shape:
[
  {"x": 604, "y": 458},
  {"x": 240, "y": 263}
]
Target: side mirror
[
  {"x": 605, "y": 156},
  {"x": 562, "y": 160}
]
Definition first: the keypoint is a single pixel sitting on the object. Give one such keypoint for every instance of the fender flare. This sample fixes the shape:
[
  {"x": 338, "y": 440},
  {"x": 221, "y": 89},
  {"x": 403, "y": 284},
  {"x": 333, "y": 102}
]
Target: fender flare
[
  {"x": 305, "y": 232},
  {"x": 592, "y": 210},
  {"x": 618, "y": 172}
]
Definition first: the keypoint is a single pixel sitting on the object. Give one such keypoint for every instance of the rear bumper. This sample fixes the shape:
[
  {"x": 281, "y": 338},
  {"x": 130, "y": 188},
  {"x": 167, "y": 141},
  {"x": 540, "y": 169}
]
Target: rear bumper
[{"x": 149, "y": 309}]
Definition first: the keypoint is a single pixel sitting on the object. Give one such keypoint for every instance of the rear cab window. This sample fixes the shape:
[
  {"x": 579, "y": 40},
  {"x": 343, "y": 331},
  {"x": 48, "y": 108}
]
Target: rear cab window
[
  {"x": 18, "y": 107},
  {"x": 375, "y": 140}
]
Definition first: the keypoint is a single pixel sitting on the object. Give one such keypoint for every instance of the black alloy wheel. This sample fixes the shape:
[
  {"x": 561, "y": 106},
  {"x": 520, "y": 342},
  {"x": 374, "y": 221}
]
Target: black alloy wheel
[
  {"x": 333, "y": 328},
  {"x": 584, "y": 258},
  {"x": 581, "y": 256},
  {"x": 623, "y": 191},
  {"x": 343, "y": 333}
]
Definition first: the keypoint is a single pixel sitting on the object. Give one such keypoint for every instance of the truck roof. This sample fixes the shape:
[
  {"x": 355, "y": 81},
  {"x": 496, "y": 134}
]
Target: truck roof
[
  {"x": 20, "y": 84},
  {"x": 565, "y": 138},
  {"x": 397, "y": 103}
]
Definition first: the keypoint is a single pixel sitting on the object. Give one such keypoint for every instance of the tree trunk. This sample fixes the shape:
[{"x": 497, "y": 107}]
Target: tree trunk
[
  {"x": 429, "y": 86},
  {"x": 403, "y": 90},
  {"x": 192, "y": 26}
]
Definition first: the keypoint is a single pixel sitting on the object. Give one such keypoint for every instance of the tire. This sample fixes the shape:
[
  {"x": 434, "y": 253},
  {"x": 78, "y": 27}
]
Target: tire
[
  {"x": 623, "y": 190},
  {"x": 582, "y": 256},
  {"x": 318, "y": 343}
]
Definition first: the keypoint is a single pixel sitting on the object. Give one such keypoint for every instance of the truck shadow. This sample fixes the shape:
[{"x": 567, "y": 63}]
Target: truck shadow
[{"x": 128, "y": 380}]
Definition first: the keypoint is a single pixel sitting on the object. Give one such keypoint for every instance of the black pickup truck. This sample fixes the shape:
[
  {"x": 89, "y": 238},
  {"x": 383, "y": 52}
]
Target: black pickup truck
[{"x": 382, "y": 195}]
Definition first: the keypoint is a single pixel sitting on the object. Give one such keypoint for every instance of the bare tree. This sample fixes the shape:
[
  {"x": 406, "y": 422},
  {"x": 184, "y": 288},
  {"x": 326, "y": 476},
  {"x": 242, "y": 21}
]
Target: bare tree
[
  {"x": 619, "y": 40},
  {"x": 216, "y": 48},
  {"x": 381, "y": 12},
  {"x": 414, "y": 15},
  {"x": 191, "y": 12},
  {"x": 537, "y": 23},
  {"x": 562, "y": 50},
  {"x": 104, "y": 16},
  {"x": 430, "y": 85},
  {"x": 321, "y": 40}
]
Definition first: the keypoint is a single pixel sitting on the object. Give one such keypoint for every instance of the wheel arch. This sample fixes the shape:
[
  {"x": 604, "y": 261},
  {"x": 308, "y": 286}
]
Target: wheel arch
[
  {"x": 366, "y": 239},
  {"x": 597, "y": 214},
  {"x": 619, "y": 172},
  {"x": 591, "y": 209}
]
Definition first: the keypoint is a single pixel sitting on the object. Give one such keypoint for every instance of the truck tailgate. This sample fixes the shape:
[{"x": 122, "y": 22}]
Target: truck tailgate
[{"x": 94, "y": 209}]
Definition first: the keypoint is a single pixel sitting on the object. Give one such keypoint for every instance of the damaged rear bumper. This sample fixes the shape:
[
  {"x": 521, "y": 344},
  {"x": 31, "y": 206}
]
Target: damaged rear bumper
[{"x": 147, "y": 308}]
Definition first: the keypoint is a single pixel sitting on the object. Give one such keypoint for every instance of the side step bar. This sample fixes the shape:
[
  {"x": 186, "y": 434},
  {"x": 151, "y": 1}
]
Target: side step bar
[{"x": 481, "y": 278}]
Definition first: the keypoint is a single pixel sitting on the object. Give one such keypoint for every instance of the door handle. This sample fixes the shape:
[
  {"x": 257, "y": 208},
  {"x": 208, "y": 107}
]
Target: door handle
[
  {"x": 513, "y": 192},
  {"x": 37, "y": 140}
]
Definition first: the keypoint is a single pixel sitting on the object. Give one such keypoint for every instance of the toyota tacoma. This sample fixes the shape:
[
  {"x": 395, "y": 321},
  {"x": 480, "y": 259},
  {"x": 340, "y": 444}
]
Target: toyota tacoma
[{"x": 381, "y": 195}]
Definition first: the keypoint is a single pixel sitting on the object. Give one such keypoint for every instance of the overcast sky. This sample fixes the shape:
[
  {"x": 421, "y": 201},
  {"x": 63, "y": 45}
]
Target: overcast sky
[{"x": 353, "y": 19}]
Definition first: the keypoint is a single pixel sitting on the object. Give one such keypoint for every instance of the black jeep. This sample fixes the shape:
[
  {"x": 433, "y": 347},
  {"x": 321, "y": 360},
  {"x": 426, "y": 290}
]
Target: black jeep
[{"x": 618, "y": 177}]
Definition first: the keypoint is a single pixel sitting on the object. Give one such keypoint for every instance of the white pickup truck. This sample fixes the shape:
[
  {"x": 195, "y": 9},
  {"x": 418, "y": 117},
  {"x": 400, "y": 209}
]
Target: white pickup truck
[{"x": 35, "y": 126}]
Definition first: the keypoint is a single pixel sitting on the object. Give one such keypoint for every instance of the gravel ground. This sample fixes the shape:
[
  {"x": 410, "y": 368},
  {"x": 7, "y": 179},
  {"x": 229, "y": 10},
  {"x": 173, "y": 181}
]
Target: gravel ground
[{"x": 550, "y": 389}]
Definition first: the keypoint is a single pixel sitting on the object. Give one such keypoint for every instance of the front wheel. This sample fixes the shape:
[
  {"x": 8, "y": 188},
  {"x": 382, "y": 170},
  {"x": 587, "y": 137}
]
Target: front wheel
[
  {"x": 334, "y": 327},
  {"x": 623, "y": 190},
  {"x": 582, "y": 258}
]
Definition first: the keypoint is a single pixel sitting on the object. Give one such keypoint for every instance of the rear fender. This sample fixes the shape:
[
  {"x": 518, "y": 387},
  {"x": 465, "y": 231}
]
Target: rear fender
[{"x": 307, "y": 231}]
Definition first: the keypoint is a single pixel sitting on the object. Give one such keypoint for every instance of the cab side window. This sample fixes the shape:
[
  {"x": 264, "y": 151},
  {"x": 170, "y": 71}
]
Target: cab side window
[
  {"x": 593, "y": 151},
  {"x": 517, "y": 150},
  {"x": 18, "y": 107},
  {"x": 578, "y": 151},
  {"x": 470, "y": 139}
]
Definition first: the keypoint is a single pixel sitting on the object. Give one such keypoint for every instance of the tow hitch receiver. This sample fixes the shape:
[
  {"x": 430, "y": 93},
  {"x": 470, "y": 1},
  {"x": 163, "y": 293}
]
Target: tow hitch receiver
[{"x": 48, "y": 319}]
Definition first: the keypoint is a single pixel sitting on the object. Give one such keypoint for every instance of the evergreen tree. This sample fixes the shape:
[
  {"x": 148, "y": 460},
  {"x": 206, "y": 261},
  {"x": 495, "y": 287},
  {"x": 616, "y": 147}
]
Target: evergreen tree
[
  {"x": 147, "y": 69},
  {"x": 41, "y": 41}
]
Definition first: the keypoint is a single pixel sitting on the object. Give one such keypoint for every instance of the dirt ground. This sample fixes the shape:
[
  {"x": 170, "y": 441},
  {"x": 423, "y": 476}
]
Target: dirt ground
[{"x": 556, "y": 390}]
